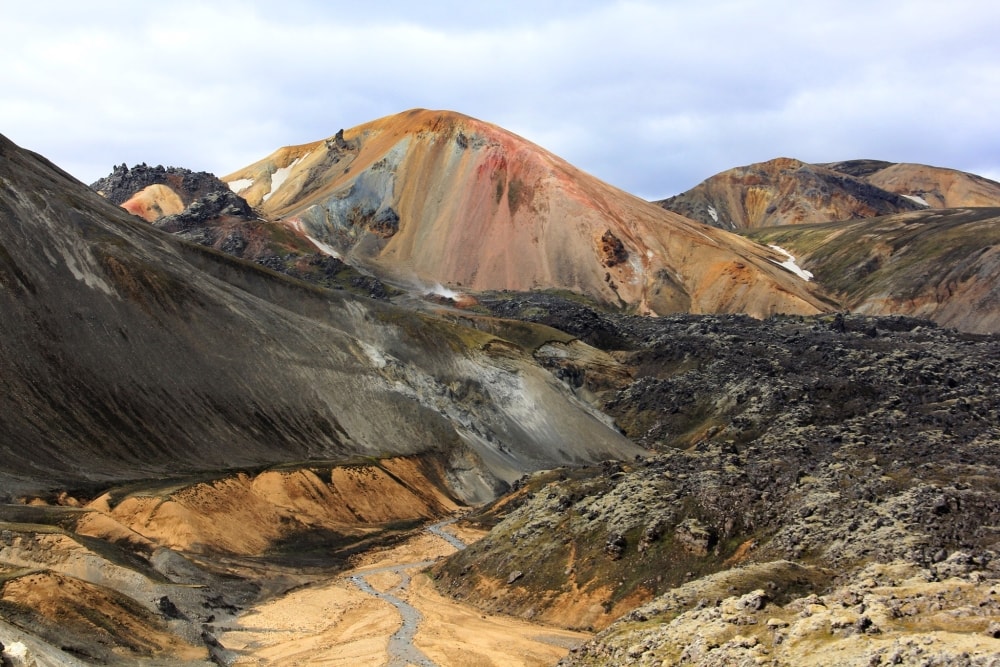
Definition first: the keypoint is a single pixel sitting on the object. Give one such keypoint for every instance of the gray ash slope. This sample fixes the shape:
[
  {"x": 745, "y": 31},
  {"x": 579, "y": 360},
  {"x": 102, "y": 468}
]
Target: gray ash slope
[
  {"x": 831, "y": 443},
  {"x": 127, "y": 353}
]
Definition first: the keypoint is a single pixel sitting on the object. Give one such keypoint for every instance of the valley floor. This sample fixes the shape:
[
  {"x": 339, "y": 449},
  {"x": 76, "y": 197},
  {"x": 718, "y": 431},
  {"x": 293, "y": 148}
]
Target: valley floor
[{"x": 338, "y": 623}]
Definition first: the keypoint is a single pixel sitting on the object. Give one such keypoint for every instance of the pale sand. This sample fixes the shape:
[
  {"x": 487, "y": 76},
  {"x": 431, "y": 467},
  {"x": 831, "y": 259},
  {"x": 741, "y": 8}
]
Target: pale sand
[{"x": 335, "y": 623}]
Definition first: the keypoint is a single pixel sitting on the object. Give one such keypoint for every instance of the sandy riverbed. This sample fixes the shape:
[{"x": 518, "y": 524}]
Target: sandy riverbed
[{"x": 336, "y": 623}]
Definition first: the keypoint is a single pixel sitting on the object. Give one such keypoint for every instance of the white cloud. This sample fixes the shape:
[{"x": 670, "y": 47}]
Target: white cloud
[{"x": 650, "y": 96}]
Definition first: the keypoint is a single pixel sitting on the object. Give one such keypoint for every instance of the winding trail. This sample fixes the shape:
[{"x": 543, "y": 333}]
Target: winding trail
[
  {"x": 438, "y": 529},
  {"x": 402, "y": 650}
]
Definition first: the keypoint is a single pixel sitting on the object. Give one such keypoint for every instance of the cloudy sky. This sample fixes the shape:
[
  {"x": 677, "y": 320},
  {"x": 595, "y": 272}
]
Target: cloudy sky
[{"x": 650, "y": 96}]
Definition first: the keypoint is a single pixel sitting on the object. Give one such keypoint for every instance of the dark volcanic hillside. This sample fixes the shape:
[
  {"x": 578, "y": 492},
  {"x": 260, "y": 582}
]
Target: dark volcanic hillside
[
  {"x": 799, "y": 456},
  {"x": 125, "y": 353}
]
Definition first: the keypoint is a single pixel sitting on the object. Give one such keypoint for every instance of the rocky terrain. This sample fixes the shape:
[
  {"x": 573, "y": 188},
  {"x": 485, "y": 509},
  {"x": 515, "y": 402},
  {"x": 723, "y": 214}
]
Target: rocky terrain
[
  {"x": 785, "y": 191},
  {"x": 199, "y": 207},
  {"x": 796, "y": 456}
]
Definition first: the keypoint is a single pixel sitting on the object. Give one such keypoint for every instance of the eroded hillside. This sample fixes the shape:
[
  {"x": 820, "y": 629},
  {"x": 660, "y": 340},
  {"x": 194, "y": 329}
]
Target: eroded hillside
[
  {"x": 785, "y": 191},
  {"x": 436, "y": 197}
]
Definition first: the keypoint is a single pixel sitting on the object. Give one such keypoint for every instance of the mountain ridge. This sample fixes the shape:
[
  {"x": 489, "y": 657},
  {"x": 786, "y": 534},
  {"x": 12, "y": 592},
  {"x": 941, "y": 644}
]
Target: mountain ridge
[
  {"x": 786, "y": 191},
  {"x": 441, "y": 197}
]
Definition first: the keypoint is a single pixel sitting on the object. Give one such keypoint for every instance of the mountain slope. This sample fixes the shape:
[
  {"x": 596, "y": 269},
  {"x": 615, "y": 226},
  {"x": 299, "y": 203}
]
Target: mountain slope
[
  {"x": 428, "y": 196},
  {"x": 937, "y": 186},
  {"x": 126, "y": 353},
  {"x": 784, "y": 191},
  {"x": 940, "y": 264}
]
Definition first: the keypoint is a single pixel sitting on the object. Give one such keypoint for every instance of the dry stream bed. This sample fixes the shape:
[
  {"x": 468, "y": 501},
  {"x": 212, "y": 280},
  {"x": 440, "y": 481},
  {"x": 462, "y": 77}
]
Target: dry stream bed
[{"x": 386, "y": 611}]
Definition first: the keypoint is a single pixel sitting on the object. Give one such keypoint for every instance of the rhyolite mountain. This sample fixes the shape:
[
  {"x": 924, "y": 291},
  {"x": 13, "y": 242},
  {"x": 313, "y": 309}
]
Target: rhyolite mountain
[
  {"x": 428, "y": 197},
  {"x": 785, "y": 191}
]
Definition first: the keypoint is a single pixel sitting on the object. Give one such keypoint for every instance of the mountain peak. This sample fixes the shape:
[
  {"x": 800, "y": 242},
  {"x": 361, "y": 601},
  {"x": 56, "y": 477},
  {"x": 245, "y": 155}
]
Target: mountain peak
[{"x": 440, "y": 197}]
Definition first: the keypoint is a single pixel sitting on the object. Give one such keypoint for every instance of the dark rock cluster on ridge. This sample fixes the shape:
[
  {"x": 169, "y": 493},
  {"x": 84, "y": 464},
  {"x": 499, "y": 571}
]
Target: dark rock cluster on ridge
[{"x": 124, "y": 181}]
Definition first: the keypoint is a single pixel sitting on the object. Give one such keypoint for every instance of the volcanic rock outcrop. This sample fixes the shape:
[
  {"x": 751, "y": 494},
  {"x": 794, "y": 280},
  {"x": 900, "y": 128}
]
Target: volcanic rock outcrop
[
  {"x": 156, "y": 192},
  {"x": 437, "y": 197},
  {"x": 199, "y": 207},
  {"x": 840, "y": 466}
]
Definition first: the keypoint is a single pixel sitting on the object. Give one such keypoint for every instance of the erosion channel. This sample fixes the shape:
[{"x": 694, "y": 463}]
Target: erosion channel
[{"x": 385, "y": 610}]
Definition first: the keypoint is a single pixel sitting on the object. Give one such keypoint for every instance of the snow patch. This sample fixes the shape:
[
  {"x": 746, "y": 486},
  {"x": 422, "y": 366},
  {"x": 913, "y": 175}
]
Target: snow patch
[
  {"x": 917, "y": 198},
  {"x": 712, "y": 212},
  {"x": 279, "y": 177},
  {"x": 240, "y": 184},
  {"x": 635, "y": 263},
  {"x": 17, "y": 652},
  {"x": 790, "y": 263},
  {"x": 323, "y": 247}
]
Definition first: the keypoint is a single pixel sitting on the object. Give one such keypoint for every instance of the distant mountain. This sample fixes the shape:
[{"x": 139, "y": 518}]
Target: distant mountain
[
  {"x": 937, "y": 186},
  {"x": 436, "y": 197},
  {"x": 784, "y": 191},
  {"x": 942, "y": 264}
]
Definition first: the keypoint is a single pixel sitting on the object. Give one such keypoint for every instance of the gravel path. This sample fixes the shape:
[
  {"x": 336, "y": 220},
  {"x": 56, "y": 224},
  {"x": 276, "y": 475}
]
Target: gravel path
[{"x": 402, "y": 651}]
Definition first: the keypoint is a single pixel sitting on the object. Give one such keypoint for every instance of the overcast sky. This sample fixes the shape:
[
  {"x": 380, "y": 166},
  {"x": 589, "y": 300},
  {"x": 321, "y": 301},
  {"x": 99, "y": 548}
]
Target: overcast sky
[{"x": 652, "y": 97}]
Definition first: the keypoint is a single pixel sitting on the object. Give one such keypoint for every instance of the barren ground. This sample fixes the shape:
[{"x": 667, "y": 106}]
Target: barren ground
[{"x": 336, "y": 623}]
